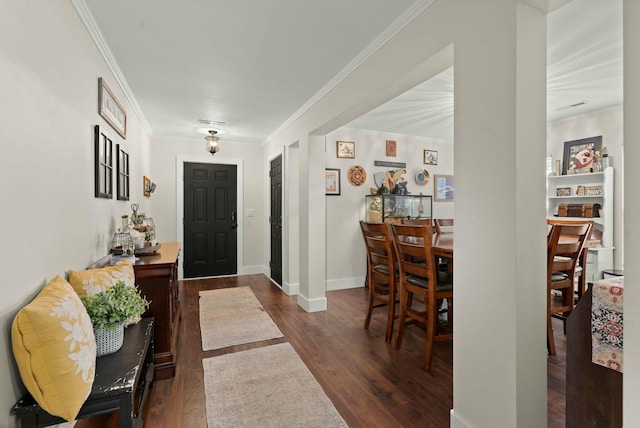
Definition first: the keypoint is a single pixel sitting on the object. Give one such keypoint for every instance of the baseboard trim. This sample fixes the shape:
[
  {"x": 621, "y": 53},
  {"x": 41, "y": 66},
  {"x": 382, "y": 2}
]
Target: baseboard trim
[
  {"x": 345, "y": 283},
  {"x": 457, "y": 422},
  {"x": 252, "y": 270},
  {"x": 290, "y": 289},
  {"x": 312, "y": 305}
]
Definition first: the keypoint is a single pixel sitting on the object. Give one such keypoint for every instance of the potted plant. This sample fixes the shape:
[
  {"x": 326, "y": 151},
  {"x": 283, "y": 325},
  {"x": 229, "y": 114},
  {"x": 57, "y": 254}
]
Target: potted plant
[{"x": 110, "y": 310}]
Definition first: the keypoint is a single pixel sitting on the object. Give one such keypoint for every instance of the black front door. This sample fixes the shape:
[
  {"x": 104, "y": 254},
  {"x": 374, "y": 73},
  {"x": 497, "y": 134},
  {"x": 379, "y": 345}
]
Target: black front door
[
  {"x": 275, "y": 219},
  {"x": 210, "y": 220}
]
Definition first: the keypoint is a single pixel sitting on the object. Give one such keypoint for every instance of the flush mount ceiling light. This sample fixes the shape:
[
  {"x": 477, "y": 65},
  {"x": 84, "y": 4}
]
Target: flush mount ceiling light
[
  {"x": 210, "y": 122},
  {"x": 212, "y": 142}
]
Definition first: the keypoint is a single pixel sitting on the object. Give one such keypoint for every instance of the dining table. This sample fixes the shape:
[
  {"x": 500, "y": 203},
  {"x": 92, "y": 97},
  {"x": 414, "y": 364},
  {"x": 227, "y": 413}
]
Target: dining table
[{"x": 442, "y": 245}]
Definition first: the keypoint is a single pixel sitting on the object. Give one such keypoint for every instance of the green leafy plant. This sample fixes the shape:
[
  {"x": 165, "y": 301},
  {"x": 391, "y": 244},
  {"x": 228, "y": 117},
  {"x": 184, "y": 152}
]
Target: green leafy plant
[{"x": 114, "y": 306}]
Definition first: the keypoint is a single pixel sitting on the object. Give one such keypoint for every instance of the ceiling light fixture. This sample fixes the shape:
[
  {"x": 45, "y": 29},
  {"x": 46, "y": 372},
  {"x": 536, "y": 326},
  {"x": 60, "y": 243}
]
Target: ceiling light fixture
[
  {"x": 210, "y": 122},
  {"x": 212, "y": 142}
]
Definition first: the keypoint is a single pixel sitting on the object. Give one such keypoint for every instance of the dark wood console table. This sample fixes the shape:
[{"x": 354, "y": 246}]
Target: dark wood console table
[
  {"x": 121, "y": 383},
  {"x": 594, "y": 393},
  {"x": 157, "y": 278}
]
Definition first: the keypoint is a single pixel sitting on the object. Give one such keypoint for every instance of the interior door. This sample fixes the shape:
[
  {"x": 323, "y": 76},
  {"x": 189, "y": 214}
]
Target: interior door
[
  {"x": 210, "y": 220},
  {"x": 275, "y": 219}
]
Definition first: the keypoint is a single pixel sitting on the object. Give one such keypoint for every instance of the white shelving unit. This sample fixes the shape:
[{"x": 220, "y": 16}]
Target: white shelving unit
[{"x": 599, "y": 258}]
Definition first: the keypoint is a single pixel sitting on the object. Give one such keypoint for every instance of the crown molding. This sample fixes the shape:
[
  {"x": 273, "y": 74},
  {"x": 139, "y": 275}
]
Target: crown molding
[
  {"x": 403, "y": 20},
  {"x": 90, "y": 24}
]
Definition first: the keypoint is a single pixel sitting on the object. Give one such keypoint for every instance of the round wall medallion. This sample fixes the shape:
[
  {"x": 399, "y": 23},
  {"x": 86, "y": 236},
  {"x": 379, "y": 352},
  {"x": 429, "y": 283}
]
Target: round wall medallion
[
  {"x": 422, "y": 177},
  {"x": 357, "y": 175}
]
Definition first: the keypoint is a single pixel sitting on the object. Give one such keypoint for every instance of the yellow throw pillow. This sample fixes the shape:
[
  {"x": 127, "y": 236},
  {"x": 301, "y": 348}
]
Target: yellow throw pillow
[
  {"x": 55, "y": 349},
  {"x": 93, "y": 281}
]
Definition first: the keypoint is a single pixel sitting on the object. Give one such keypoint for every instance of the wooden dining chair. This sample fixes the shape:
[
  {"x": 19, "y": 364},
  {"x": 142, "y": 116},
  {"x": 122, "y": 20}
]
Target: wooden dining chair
[
  {"x": 439, "y": 223},
  {"x": 581, "y": 267},
  {"x": 564, "y": 247},
  {"x": 419, "y": 276},
  {"x": 382, "y": 272},
  {"x": 417, "y": 221},
  {"x": 444, "y": 225}
]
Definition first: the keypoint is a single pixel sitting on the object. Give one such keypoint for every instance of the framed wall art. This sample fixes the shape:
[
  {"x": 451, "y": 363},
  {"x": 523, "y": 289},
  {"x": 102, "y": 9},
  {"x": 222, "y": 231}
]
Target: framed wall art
[
  {"x": 443, "y": 188},
  {"x": 332, "y": 181},
  {"x": 111, "y": 110},
  {"x": 103, "y": 164},
  {"x": 122, "y": 174},
  {"x": 580, "y": 155},
  {"x": 431, "y": 157},
  {"x": 391, "y": 148},
  {"x": 346, "y": 149},
  {"x": 146, "y": 187}
]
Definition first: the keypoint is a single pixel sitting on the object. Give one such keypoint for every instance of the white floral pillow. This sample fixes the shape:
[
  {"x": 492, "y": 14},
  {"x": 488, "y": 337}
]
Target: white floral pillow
[
  {"x": 55, "y": 349},
  {"x": 93, "y": 281}
]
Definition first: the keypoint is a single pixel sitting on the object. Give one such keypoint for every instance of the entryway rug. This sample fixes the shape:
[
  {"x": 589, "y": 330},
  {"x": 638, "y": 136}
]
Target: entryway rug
[
  {"x": 265, "y": 387},
  {"x": 233, "y": 316}
]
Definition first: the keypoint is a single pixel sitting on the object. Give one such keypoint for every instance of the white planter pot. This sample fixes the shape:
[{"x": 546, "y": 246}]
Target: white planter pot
[{"x": 107, "y": 341}]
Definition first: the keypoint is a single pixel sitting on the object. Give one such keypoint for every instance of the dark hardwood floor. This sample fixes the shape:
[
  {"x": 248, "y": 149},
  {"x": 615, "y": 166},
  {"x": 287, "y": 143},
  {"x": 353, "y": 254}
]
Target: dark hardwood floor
[{"x": 370, "y": 383}]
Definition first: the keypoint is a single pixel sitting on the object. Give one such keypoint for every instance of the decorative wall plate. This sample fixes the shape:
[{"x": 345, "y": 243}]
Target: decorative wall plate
[
  {"x": 422, "y": 177},
  {"x": 378, "y": 178},
  {"x": 357, "y": 175}
]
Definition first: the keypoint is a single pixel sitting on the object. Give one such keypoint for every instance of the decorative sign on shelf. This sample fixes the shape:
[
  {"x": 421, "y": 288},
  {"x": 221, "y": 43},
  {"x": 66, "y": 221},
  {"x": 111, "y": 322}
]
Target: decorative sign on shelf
[
  {"x": 563, "y": 191},
  {"x": 593, "y": 190},
  {"x": 390, "y": 164}
]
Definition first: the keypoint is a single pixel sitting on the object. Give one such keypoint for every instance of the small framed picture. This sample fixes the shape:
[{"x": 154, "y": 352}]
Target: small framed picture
[
  {"x": 391, "y": 148},
  {"x": 332, "y": 181},
  {"x": 146, "y": 186},
  {"x": 431, "y": 157},
  {"x": 346, "y": 149}
]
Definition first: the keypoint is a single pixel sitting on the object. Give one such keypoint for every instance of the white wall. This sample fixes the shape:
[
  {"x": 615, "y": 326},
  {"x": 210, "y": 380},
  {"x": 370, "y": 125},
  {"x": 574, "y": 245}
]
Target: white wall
[
  {"x": 49, "y": 71},
  {"x": 165, "y": 151},
  {"x": 346, "y": 260},
  {"x": 610, "y": 125}
]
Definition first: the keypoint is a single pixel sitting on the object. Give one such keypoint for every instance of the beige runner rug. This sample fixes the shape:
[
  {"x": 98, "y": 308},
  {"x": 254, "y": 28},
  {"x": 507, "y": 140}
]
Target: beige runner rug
[
  {"x": 233, "y": 316},
  {"x": 265, "y": 387}
]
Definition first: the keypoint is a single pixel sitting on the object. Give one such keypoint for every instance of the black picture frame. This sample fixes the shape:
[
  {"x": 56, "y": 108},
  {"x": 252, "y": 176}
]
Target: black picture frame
[
  {"x": 332, "y": 181},
  {"x": 122, "y": 174},
  {"x": 103, "y": 148},
  {"x": 572, "y": 163}
]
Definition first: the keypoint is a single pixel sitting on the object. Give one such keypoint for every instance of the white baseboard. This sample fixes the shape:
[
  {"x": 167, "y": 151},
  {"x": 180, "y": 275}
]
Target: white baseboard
[
  {"x": 290, "y": 289},
  {"x": 252, "y": 270},
  {"x": 457, "y": 422},
  {"x": 312, "y": 305},
  {"x": 344, "y": 283}
]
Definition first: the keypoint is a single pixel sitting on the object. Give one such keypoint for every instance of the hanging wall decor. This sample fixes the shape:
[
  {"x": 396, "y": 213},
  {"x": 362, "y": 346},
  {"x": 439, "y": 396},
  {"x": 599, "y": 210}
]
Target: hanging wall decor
[
  {"x": 431, "y": 157},
  {"x": 346, "y": 149},
  {"x": 110, "y": 109},
  {"x": 103, "y": 164},
  {"x": 122, "y": 174},
  {"x": 357, "y": 175},
  {"x": 391, "y": 148},
  {"x": 332, "y": 181}
]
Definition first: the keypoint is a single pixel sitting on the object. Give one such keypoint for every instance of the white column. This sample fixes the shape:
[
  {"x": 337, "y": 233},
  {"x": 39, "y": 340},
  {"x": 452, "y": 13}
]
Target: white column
[
  {"x": 631, "y": 383},
  {"x": 311, "y": 296},
  {"x": 500, "y": 129}
]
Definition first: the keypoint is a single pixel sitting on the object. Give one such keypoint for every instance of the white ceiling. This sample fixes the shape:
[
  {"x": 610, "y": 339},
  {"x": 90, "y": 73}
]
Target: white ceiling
[{"x": 256, "y": 64}]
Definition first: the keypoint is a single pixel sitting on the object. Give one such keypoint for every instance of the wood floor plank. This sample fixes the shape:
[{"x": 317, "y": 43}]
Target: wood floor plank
[{"x": 370, "y": 383}]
